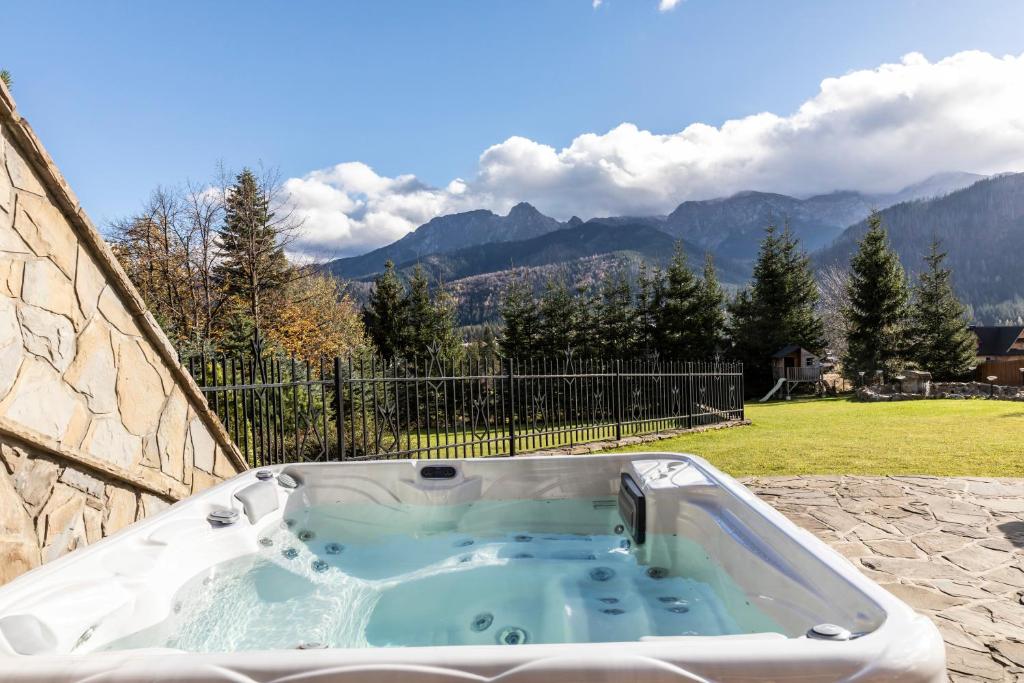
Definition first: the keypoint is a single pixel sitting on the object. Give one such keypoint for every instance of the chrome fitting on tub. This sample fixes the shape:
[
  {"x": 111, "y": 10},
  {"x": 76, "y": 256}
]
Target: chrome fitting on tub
[
  {"x": 222, "y": 517},
  {"x": 829, "y": 632},
  {"x": 263, "y": 475}
]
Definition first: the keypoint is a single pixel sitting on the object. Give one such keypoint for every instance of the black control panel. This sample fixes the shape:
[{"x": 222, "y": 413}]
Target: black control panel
[
  {"x": 438, "y": 472},
  {"x": 633, "y": 508}
]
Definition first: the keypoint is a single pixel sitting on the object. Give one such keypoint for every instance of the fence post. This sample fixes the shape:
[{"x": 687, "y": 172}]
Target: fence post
[
  {"x": 511, "y": 376},
  {"x": 742, "y": 395},
  {"x": 339, "y": 415},
  {"x": 689, "y": 394},
  {"x": 617, "y": 398}
]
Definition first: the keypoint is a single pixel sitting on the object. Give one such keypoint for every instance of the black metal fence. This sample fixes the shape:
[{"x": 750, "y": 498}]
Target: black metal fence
[{"x": 281, "y": 410}]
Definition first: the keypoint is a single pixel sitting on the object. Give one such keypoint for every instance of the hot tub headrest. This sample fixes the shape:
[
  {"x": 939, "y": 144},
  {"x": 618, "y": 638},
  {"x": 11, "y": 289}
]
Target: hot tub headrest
[
  {"x": 27, "y": 635},
  {"x": 258, "y": 500}
]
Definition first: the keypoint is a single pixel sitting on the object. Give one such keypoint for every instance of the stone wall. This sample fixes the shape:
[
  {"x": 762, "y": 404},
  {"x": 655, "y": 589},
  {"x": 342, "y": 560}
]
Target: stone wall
[
  {"x": 954, "y": 390},
  {"x": 99, "y": 423}
]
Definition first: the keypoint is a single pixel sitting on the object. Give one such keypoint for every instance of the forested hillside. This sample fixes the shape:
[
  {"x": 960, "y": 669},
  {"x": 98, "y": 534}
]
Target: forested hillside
[
  {"x": 982, "y": 229},
  {"x": 581, "y": 255}
]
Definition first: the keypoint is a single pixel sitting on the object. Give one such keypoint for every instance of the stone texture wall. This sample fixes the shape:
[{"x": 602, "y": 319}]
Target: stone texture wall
[
  {"x": 99, "y": 423},
  {"x": 954, "y": 390}
]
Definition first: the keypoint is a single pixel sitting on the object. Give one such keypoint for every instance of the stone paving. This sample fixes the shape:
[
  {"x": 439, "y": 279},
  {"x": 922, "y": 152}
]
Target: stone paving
[{"x": 953, "y": 548}]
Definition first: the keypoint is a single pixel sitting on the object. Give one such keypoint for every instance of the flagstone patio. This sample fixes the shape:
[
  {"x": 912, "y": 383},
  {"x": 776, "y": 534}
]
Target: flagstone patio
[{"x": 953, "y": 548}]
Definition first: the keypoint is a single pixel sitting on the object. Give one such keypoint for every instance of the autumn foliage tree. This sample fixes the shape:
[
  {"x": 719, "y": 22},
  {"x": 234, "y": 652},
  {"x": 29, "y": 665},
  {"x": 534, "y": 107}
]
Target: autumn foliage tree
[
  {"x": 316, "y": 319},
  {"x": 209, "y": 260},
  {"x": 164, "y": 253}
]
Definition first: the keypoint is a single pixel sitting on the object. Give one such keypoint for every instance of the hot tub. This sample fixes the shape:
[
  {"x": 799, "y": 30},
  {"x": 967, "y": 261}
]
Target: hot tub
[{"x": 634, "y": 567}]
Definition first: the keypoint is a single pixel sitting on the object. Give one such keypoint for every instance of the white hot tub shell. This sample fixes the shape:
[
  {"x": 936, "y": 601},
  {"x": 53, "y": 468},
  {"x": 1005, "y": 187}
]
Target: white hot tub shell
[{"x": 98, "y": 614}]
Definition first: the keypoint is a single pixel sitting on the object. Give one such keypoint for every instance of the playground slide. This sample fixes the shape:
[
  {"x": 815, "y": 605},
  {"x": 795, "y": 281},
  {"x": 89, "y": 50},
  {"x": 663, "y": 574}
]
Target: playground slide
[{"x": 778, "y": 385}]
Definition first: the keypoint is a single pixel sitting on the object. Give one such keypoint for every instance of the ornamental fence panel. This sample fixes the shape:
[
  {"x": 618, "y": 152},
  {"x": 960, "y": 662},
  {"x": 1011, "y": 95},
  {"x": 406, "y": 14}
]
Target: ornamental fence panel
[{"x": 363, "y": 407}]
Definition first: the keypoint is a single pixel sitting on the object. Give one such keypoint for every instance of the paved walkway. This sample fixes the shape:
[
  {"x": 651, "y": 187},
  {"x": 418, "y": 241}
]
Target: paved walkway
[{"x": 951, "y": 548}]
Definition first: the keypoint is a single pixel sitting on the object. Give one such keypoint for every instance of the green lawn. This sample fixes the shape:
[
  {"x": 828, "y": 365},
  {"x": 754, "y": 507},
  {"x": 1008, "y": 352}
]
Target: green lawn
[{"x": 841, "y": 436}]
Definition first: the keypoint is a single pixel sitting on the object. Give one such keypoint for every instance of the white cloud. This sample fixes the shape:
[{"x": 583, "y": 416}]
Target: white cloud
[
  {"x": 873, "y": 130},
  {"x": 596, "y": 3},
  {"x": 348, "y": 209},
  {"x": 667, "y": 5}
]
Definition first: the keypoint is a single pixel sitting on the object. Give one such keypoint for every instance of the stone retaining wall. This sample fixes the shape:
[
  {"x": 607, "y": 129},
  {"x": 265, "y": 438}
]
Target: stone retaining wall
[
  {"x": 954, "y": 390},
  {"x": 99, "y": 423}
]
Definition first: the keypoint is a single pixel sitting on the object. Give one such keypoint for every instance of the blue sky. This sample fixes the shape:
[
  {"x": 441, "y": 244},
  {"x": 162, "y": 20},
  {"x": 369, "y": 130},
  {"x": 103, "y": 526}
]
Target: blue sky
[{"x": 128, "y": 95}]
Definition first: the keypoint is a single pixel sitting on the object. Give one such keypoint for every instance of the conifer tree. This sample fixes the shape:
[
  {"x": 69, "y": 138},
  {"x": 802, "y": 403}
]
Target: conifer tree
[
  {"x": 615, "y": 330},
  {"x": 520, "y": 321},
  {"x": 384, "y": 316},
  {"x": 421, "y": 328},
  {"x": 488, "y": 346},
  {"x": 710, "y": 315},
  {"x": 877, "y": 313},
  {"x": 777, "y": 309},
  {"x": 560, "y": 324},
  {"x": 585, "y": 307},
  {"x": 646, "y": 323},
  {"x": 444, "y": 324},
  {"x": 5, "y": 76},
  {"x": 941, "y": 342},
  {"x": 676, "y": 307},
  {"x": 253, "y": 263}
]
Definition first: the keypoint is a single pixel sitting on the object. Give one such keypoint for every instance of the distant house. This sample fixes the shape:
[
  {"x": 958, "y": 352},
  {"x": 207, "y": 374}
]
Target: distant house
[{"x": 1000, "y": 343}]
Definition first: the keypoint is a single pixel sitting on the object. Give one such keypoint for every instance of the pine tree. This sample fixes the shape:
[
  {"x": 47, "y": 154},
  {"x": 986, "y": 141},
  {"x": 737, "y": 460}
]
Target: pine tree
[
  {"x": 646, "y": 323},
  {"x": 444, "y": 324},
  {"x": 615, "y": 330},
  {"x": 676, "y": 308},
  {"x": 253, "y": 263},
  {"x": 941, "y": 341},
  {"x": 420, "y": 330},
  {"x": 877, "y": 311},
  {"x": 384, "y": 316},
  {"x": 585, "y": 307},
  {"x": 710, "y": 315},
  {"x": 777, "y": 309},
  {"x": 520, "y": 321},
  {"x": 488, "y": 346},
  {"x": 559, "y": 320}
]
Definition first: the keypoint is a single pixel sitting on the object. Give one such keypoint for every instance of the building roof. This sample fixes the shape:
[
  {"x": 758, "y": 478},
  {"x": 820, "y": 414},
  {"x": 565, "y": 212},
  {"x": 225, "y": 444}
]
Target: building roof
[
  {"x": 996, "y": 341},
  {"x": 788, "y": 349}
]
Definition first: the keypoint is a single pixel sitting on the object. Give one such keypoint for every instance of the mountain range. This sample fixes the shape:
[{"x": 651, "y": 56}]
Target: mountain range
[
  {"x": 979, "y": 220},
  {"x": 981, "y": 228},
  {"x": 733, "y": 225},
  {"x": 449, "y": 233}
]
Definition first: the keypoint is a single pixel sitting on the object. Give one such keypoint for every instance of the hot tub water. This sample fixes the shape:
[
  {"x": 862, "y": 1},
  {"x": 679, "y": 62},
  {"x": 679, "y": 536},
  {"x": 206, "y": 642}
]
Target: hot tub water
[{"x": 505, "y": 572}]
